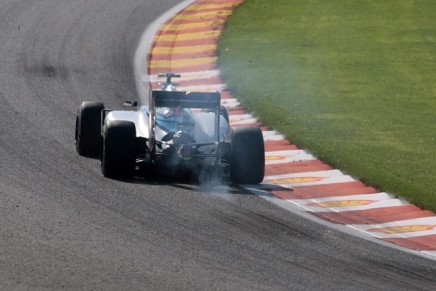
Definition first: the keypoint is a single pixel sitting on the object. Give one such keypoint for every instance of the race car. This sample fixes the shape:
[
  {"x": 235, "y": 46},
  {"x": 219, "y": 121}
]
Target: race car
[{"x": 177, "y": 134}]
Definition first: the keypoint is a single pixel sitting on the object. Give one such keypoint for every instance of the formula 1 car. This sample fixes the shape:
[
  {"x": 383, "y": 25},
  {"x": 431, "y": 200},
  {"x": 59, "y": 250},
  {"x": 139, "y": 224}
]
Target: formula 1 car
[{"x": 178, "y": 134}]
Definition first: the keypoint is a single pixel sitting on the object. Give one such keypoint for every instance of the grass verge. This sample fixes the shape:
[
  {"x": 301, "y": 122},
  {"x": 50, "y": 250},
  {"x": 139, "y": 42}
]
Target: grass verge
[{"x": 354, "y": 82}]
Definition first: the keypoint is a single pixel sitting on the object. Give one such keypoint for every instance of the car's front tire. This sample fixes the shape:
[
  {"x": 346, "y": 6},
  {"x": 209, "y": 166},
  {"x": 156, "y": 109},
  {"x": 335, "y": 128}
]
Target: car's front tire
[
  {"x": 88, "y": 129},
  {"x": 118, "y": 149},
  {"x": 247, "y": 163}
]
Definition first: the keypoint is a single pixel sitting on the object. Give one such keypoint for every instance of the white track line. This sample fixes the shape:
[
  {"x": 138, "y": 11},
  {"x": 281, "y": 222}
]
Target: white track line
[
  {"x": 308, "y": 178},
  {"x": 348, "y": 203},
  {"x": 289, "y": 156},
  {"x": 401, "y": 229}
]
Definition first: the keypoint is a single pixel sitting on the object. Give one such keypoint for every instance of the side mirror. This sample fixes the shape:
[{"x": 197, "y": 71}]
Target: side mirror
[{"x": 130, "y": 103}]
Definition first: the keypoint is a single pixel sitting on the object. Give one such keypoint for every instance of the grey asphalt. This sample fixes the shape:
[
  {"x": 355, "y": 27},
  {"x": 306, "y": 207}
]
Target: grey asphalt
[{"x": 64, "y": 226}]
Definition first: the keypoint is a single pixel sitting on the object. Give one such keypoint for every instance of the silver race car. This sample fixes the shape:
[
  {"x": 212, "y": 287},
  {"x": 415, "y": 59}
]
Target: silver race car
[{"x": 178, "y": 134}]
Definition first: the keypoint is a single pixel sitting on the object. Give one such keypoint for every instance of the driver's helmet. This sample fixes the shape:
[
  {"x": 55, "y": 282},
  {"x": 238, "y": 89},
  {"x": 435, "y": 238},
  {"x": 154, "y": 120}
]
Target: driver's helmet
[
  {"x": 169, "y": 87},
  {"x": 172, "y": 119}
]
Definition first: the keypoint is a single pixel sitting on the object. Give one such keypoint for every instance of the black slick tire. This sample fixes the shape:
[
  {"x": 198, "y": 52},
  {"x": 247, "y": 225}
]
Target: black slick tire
[
  {"x": 247, "y": 163},
  {"x": 88, "y": 129},
  {"x": 118, "y": 149}
]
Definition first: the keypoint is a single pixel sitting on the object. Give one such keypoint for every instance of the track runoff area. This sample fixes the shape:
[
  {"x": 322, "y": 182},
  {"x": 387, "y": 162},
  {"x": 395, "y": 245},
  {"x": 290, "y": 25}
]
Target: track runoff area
[{"x": 186, "y": 44}]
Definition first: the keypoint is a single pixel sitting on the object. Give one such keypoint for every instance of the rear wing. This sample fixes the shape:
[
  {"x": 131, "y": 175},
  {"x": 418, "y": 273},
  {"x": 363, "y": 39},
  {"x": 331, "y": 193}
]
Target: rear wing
[
  {"x": 200, "y": 100},
  {"x": 203, "y": 100}
]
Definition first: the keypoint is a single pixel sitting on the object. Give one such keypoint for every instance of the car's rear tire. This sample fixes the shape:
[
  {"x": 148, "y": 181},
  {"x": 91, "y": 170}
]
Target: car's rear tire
[
  {"x": 88, "y": 129},
  {"x": 118, "y": 149},
  {"x": 247, "y": 163}
]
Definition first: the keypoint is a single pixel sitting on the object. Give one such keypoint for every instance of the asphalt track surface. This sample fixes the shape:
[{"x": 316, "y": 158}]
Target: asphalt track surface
[{"x": 64, "y": 226}]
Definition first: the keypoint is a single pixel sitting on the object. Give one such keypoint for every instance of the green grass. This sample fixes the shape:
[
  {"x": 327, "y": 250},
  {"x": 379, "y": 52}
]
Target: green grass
[{"x": 352, "y": 81}]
